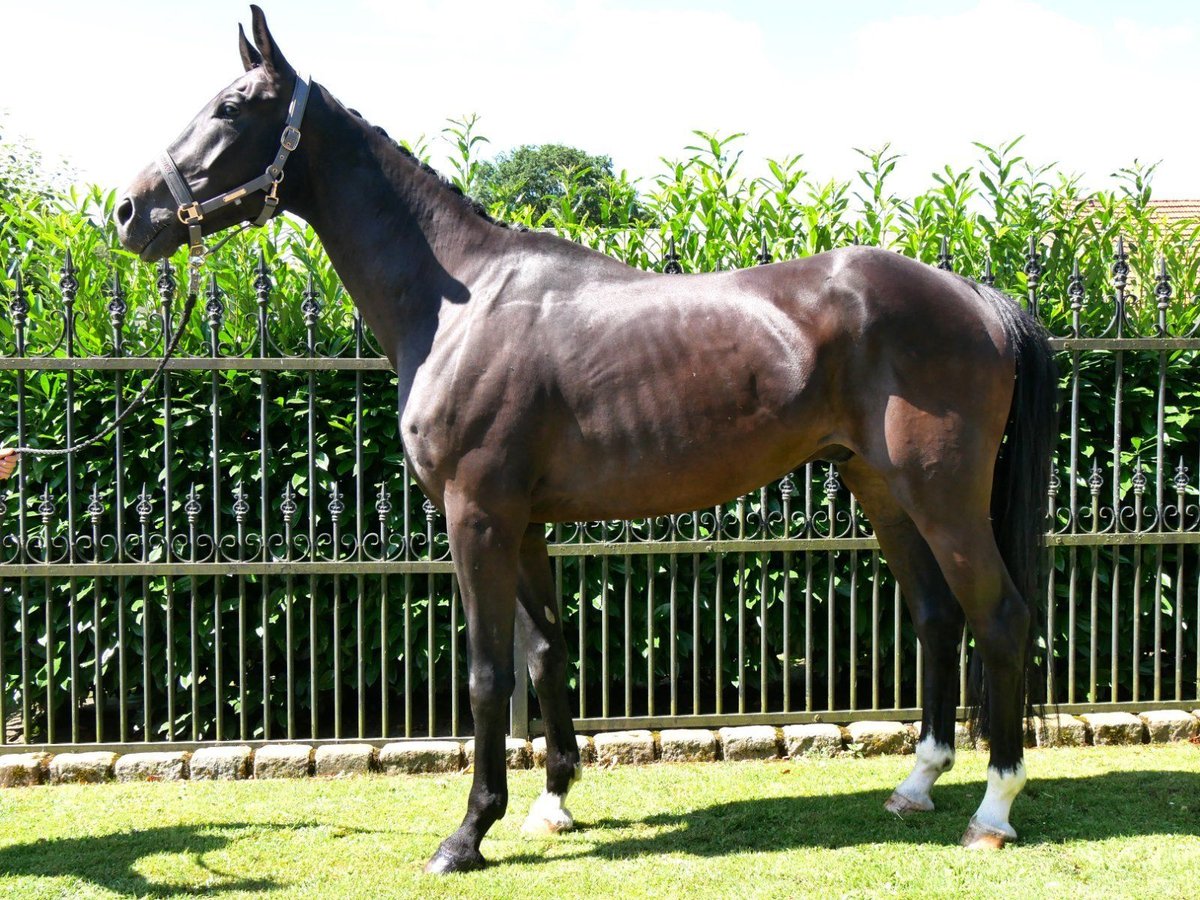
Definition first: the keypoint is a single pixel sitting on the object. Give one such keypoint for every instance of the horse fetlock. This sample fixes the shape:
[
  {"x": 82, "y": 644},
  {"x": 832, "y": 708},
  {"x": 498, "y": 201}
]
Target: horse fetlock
[
  {"x": 548, "y": 816},
  {"x": 990, "y": 822},
  {"x": 933, "y": 759}
]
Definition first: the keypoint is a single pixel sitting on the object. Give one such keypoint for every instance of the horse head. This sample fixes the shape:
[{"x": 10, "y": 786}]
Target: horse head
[{"x": 227, "y": 166}]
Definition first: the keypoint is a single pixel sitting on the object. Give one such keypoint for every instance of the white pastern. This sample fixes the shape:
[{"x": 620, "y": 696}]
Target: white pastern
[
  {"x": 933, "y": 759},
  {"x": 548, "y": 816},
  {"x": 1002, "y": 789}
]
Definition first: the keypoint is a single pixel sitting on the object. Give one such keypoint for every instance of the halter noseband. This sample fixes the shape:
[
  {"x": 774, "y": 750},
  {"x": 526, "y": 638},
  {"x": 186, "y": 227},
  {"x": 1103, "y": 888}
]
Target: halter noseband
[{"x": 191, "y": 212}]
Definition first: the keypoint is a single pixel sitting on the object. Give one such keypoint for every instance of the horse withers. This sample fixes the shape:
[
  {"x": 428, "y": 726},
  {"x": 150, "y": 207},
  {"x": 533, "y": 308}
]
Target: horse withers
[{"x": 542, "y": 382}]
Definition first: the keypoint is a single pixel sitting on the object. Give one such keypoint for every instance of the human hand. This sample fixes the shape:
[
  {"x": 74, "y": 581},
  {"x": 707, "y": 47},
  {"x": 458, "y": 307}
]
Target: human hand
[{"x": 8, "y": 462}]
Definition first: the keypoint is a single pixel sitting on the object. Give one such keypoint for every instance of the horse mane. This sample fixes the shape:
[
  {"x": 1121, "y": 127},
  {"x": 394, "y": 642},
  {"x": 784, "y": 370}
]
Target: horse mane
[{"x": 465, "y": 199}]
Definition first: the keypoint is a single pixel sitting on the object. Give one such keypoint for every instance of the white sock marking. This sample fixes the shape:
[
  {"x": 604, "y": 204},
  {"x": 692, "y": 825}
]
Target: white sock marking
[
  {"x": 548, "y": 815},
  {"x": 1002, "y": 789},
  {"x": 933, "y": 759}
]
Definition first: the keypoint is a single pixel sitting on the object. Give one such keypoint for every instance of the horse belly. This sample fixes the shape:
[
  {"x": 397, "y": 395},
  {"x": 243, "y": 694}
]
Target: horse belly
[{"x": 658, "y": 449}]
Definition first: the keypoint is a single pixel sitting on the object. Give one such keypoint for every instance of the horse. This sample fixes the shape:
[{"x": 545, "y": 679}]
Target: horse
[{"x": 542, "y": 382}]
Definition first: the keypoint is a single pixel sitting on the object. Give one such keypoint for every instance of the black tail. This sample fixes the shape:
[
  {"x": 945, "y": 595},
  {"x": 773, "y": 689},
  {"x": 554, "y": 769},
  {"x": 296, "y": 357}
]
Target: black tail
[{"x": 1021, "y": 484}]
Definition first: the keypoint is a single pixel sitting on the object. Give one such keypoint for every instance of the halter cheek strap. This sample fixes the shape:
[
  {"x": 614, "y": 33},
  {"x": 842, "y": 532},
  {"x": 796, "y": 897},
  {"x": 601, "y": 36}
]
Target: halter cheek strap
[{"x": 191, "y": 212}]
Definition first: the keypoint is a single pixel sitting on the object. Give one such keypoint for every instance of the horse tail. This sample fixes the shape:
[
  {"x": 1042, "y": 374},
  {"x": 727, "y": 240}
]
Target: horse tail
[{"x": 1021, "y": 484}]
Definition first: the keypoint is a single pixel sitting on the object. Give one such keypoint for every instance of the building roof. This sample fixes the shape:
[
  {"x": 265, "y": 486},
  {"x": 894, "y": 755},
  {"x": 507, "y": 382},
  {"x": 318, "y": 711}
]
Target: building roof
[{"x": 1176, "y": 210}]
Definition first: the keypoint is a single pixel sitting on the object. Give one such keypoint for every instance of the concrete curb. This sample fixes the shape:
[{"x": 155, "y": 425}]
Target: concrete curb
[{"x": 617, "y": 748}]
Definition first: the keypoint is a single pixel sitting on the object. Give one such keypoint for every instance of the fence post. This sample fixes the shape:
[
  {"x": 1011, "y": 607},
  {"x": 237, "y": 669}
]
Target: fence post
[{"x": 518, "y": 713}]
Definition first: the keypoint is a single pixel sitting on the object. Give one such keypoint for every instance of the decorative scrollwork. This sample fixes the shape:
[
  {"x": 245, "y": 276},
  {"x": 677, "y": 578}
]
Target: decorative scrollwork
[
  {"x": 241, "y": 506},
  {"x": 143, "y": 507},
  {"x": 671, "y": 263},
  {"x": 68, "y": 282},
  {"x": 191, "y": 506}
]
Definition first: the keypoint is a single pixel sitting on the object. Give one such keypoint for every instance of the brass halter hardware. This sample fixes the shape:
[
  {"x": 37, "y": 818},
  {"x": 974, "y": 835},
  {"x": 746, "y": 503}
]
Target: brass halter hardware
[{"x": 191, "y": 212}]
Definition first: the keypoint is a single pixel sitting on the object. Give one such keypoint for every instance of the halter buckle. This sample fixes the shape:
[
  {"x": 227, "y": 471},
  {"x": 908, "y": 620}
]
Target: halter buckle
[
  {"x": 190, "y": 214},
  {"x": 290, "y": 139}
]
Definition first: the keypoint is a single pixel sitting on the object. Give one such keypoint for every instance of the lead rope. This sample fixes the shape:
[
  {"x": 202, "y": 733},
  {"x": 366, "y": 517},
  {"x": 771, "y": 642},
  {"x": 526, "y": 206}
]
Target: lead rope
[{"x": 138, "y": 401}]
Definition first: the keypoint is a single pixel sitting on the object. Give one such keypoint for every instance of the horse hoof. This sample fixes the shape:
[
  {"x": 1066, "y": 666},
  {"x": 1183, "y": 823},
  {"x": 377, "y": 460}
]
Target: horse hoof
[
  {"x": 984, "y": 837},
  {"x": 903, "y": 806},
  {"x": 444, "y": 862}
]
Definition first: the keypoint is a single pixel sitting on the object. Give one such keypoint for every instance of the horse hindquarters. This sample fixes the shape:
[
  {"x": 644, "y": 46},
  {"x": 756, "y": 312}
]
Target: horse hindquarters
[{"x": 939, "y": 462}]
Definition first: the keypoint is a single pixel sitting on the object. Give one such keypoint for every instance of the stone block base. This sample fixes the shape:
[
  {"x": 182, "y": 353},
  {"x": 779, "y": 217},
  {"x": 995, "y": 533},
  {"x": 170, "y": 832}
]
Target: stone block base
[
  {"x": 623, "y": 748},
  {"x": 687, "y": 745},
  {"x": 1059, "y": 730},
  {"x": 750, "y": 742},
  {"x": 341, "y": 760},
  {"x": 414, "y": 757},
  {"x": 220, "y": 763},
  {"x": 1164, "y": 725},
  {"x": 877, "y": 738},
  {"x": 169, "y": 766},
  {"x": 812, "y": 740},
  {"x": 23, "y": 769},
  {"x": 283, "y": 761},
  {"x": 82, "y": 768},
  {"x": 1114, "y": 728}
]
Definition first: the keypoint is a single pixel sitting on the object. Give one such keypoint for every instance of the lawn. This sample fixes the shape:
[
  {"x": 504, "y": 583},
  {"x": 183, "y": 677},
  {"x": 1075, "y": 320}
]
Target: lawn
[{"x": 1099, "y": 821}]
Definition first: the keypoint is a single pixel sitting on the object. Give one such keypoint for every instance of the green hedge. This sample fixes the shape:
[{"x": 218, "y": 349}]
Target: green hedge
[{"x": 712, "y": 217}]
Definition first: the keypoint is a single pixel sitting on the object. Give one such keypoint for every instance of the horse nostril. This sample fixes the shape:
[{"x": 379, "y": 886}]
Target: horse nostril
[{"x": 125, "y": 211}]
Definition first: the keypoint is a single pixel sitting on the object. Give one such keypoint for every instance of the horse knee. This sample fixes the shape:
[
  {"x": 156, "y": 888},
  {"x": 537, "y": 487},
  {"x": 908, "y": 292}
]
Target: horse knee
[
  {"x": 547, "y": 662},
  {"x": 491, "y": 685}
]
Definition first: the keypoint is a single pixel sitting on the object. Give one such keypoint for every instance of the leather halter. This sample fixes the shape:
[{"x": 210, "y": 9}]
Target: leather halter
[{"x": 191, "y": 212}]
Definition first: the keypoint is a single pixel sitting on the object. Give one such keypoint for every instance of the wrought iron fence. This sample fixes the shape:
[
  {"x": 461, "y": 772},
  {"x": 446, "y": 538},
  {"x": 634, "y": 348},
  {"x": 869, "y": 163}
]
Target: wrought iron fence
[{"x": 248, "y": 559}]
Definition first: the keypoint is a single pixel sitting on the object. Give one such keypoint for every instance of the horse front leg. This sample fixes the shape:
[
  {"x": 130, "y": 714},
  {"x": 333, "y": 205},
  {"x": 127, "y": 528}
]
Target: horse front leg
[{"x": 484, "y": 542}]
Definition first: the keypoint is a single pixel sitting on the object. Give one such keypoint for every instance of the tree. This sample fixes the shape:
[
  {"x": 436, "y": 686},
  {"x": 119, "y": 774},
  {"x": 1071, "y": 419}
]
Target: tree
[{"x": 550, "y": 179}]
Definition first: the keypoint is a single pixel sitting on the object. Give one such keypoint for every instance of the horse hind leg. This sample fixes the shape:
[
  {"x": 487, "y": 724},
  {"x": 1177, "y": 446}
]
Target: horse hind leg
[
  {"x": 537, "y": 615},
  {"x": 999, "y": 618},
  {"x": 939, "y": 622}
]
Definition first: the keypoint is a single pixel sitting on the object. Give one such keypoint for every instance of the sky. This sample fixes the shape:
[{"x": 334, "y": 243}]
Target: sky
[{"x": 1091, "y": 85}]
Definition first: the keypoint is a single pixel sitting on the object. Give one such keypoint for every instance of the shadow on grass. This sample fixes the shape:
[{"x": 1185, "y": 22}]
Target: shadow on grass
[
  {"x": 110, "y": 860},
  {"x": 1049, "y": 811}
]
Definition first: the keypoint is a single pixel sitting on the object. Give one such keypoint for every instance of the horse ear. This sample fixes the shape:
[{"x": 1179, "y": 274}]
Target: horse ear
[
  {"x": 272, "y": 59},
  {"x": 251, "y": 58}
]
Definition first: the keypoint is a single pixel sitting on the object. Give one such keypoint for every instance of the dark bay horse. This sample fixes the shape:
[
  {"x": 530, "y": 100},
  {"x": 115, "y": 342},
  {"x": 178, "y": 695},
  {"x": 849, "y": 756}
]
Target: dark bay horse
[{"x": 543, "y": 382}]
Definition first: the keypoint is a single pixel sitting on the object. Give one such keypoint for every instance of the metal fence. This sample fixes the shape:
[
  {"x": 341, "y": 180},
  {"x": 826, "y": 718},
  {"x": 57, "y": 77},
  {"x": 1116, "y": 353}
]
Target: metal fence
[{"x": 273, "y": 572}]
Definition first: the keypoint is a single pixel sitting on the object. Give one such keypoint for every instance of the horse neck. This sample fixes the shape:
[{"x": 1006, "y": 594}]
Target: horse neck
[{"x": 403, "y": 243}]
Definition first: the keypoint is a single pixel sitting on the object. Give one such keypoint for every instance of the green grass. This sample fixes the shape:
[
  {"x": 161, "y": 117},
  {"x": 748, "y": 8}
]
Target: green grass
[{"x": 1105, "y": 821}]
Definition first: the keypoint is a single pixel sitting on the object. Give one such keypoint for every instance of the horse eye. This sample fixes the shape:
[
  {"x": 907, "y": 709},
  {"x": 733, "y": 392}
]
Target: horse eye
[{"x": 228, "y": 110}]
